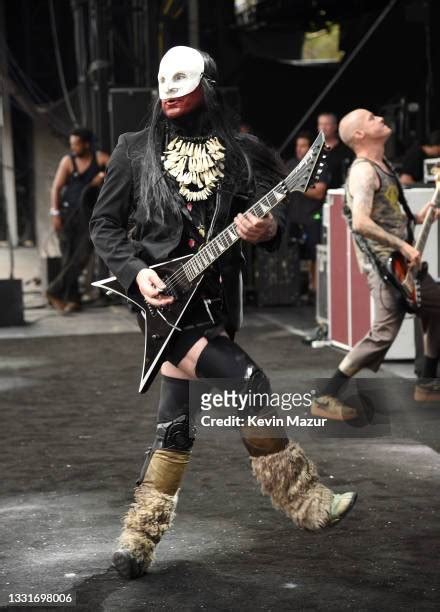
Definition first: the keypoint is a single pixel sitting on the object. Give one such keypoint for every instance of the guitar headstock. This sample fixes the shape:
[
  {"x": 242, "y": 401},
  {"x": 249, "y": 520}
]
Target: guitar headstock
[
  {"x": 435, "y": 171},
  {"x": 309, "y": 168},
  {"x": 319, "y": 167}
]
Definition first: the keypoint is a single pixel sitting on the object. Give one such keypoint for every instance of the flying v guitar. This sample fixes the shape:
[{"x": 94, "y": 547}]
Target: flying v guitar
[{"x": 183, "y": 275}]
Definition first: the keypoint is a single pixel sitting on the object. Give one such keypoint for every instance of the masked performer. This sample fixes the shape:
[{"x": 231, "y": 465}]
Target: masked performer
[{"x": 157, "y": 203}]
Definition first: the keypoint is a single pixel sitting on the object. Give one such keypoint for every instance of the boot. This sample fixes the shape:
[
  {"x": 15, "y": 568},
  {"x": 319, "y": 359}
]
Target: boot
[
  {"x": 329, "y": 407},
  {"x": 291, "y": 480},
  {"x": 151, "y": 513}
]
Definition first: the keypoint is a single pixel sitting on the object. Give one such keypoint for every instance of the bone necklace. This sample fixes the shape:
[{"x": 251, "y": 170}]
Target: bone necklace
[{"x": 196, "y": 165}]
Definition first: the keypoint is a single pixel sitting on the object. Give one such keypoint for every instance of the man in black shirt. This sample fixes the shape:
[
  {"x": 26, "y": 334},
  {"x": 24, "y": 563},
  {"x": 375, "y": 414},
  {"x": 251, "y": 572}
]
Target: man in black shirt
[
  {"x": 305, "y": 209},
  {"x": 340, "y": 156},
  {"x": 73, "y": 195}
]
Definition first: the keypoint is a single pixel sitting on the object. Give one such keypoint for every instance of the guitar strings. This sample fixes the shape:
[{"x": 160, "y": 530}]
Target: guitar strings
[
  {"x": 298, "y": 176},
  {"x": 180, "y": 274}
]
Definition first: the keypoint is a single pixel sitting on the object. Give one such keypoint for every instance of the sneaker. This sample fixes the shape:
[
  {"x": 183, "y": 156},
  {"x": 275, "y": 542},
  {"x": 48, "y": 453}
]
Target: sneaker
[
  {"x": 55, "y": 302},
  {"x": 317, "y": 333},
  {"x": 71, "y": 307},
  {"x": 341, "y": 505},
  {"x": 330, "y": 407},
  {"x": 427, "y": 390}
]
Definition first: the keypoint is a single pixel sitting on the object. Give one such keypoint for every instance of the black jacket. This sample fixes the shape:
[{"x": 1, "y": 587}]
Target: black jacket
[{"x": 128, "y": 246}]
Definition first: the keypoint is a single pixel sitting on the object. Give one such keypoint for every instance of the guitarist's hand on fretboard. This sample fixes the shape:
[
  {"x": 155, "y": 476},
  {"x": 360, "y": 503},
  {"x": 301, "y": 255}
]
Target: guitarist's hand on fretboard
[
  {"x": 420, "y": 216},
  {"x": 150, "y": 285},
  {"x": 255, "y": 229}
]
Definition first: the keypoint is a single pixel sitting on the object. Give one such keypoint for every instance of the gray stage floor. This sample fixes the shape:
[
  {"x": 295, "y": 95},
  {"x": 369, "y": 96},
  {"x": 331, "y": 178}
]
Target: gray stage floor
[{"x": 73, "y": 432}]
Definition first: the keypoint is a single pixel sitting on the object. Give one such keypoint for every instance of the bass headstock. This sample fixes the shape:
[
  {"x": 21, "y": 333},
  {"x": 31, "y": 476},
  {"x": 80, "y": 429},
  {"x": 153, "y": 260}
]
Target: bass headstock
[{"x": 435, "y": 171}]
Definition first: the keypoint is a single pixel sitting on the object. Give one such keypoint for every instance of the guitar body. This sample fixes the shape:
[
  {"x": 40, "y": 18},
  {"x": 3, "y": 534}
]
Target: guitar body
[
  {"x": 405, "y": 280},
  {"x": 398, "y": 273},
  {"x": 160, "y": 324}
]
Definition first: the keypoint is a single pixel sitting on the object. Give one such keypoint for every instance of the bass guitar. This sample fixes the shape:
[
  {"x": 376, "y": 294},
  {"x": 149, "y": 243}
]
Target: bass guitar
[
  {"x": 183, "y": 275},
  {"x": 405, "y": 279}
]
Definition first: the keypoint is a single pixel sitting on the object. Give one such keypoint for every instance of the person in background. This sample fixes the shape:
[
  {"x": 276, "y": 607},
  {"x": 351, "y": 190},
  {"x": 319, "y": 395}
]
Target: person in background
[
  {"x": 74, "y": 192},
  {"x": 305, "y": 209},
  {"x": 412, "y": 167},
  {"x": 340, "y": 156}
]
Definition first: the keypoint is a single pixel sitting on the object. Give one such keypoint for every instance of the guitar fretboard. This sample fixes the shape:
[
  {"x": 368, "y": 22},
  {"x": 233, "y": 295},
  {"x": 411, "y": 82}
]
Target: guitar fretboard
[
  {"x": 429, "y": 219},
  {"x": 216, "y": 247},
  {"x": 297, "y": 180}
]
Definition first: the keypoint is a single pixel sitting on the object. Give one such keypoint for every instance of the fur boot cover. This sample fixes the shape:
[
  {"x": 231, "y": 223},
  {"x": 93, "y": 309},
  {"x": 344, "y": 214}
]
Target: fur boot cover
[
  {"x": 292, "y": 482},
  {"x": 146, "y": 521}
]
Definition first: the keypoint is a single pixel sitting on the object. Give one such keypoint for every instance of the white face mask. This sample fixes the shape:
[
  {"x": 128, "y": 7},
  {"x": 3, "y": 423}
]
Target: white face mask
[{"x": 180, "y": 72}]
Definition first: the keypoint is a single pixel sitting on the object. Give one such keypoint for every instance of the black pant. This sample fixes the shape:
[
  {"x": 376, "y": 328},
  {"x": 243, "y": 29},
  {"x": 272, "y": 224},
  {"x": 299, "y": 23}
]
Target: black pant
[{"x": 76, "y": 247}]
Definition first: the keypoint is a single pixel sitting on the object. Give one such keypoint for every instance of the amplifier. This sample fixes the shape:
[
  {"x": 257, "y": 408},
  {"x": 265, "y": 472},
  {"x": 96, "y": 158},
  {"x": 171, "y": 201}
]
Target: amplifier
[
  {"x": 129, "y": 109},
  {"x": 11, "y": 299}
]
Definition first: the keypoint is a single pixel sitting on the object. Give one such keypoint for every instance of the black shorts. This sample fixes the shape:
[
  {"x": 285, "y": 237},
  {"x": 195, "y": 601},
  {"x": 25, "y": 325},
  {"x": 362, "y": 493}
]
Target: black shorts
[
  {"x": 195, "y": 324},
  {"x": 183, "y": 341}
]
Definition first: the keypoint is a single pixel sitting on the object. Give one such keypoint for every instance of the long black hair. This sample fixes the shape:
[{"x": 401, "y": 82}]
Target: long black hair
[{"x": 159, "y": 195}]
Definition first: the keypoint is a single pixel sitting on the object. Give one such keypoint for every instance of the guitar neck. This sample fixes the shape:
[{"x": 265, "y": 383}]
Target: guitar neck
[
  {"x": 297, "y": 180},
  {"x": 223, "y": 241},
  {"x": 427, "y": 223}
]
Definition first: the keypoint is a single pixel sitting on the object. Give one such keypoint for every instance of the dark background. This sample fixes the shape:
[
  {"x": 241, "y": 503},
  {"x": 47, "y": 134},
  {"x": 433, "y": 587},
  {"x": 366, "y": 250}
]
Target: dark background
[{"x": 105, "y": 44}]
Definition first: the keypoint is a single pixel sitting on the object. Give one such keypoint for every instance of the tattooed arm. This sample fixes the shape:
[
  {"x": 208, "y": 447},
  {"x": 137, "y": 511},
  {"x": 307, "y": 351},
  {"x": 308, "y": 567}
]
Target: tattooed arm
[{"x": 362, "y": 184}]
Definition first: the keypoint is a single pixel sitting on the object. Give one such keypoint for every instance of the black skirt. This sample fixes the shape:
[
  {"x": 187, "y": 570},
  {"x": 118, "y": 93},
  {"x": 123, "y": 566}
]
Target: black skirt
[{"x": 196, "y": 323}]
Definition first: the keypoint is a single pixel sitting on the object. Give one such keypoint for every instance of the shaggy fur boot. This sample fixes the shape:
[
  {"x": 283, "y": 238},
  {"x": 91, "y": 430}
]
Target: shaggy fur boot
[
  {"x": 151, "y": 513},
  {"x": 291, "y": 480}
]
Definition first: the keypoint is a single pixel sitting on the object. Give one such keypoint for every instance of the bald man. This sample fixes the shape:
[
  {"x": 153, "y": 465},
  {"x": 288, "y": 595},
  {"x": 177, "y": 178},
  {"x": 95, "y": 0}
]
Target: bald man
[{"x": 381, "y": 218}]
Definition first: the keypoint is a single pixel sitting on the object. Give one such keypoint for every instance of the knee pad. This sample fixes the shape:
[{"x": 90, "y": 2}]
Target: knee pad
[
  {"x": 173, "y": 430},
  {"x": 222, "y": 358},
  {"x": 176, "y": 435}
]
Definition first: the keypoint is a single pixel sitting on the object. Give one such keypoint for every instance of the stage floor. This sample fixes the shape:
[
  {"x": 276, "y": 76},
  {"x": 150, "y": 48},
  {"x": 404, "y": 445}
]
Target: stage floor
[{"x": 73, "y": 434}]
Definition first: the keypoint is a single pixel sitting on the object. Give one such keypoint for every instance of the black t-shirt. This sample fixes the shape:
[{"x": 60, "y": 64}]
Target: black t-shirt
[
  {"x": 413, "y": 163},
  {"x": 194, "y": 236},
  {"x": 302, "y": 209},
  {"x": 337, "y": 163},
  {"x": 78, "y": 181}
]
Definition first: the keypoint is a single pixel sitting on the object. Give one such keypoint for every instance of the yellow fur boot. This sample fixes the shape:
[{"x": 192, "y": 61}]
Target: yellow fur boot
[
  {"x": 151, "y": 513},
  {"x": 291, "y": 479},
  {"x": 292, "y": 482}
]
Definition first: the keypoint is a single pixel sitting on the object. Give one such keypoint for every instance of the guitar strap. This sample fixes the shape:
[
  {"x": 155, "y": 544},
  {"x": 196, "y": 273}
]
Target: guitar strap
[
  {"x": 365, "y": 248},
  {"x": 402, "y": 199}
]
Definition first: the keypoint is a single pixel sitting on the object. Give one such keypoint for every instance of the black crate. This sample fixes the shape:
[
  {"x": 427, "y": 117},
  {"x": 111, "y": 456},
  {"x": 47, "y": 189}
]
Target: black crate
[{"x": 278, "y": 275}]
